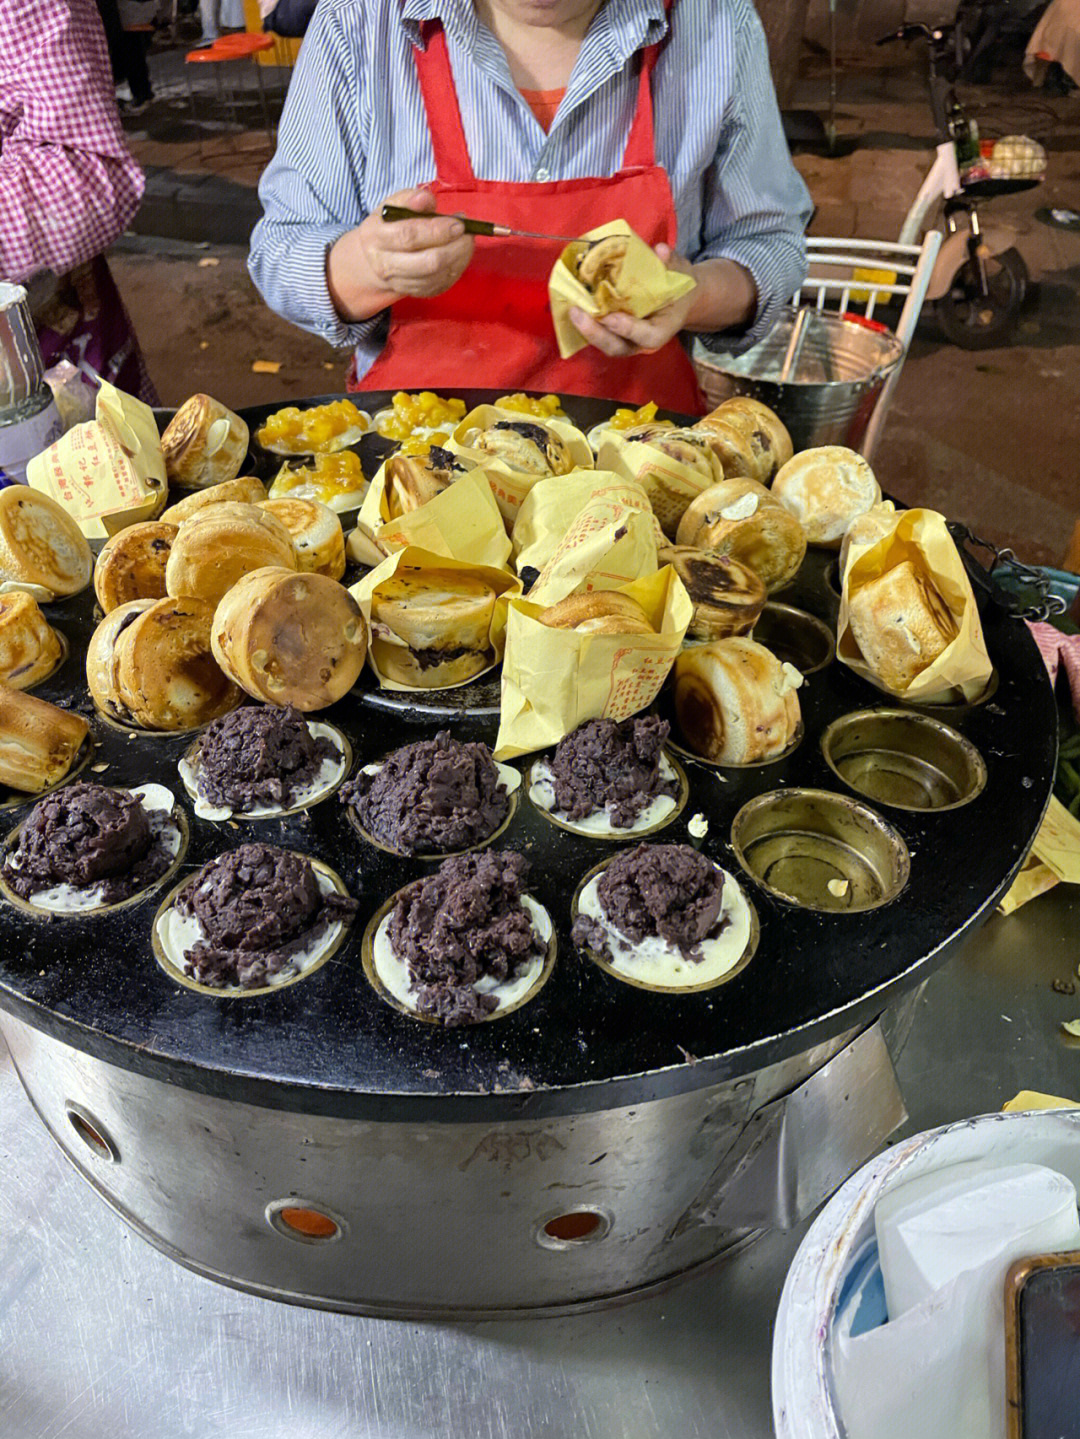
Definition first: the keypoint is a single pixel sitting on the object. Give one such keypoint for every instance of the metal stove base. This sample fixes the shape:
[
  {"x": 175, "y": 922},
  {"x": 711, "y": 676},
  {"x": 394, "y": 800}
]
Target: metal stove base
[{"x": 448, "y": 1220}]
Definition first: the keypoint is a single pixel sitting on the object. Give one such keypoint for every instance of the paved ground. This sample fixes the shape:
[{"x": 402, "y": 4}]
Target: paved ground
[{"x": 992, "y": 438}]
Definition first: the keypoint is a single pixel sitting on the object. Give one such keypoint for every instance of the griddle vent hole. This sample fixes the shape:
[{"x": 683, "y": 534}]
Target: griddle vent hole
[
  {"x": 573, "y": 1228},
  {"x": 92, "y": 1133},
  {"x": 301, "y": 1220}
]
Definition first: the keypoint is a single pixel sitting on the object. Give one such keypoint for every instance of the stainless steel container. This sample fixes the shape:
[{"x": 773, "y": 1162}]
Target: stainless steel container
[
  {"x": 21, "y": 365},
  {"x": 29, "y": 419},
  {"x": 829, "y": 397}
]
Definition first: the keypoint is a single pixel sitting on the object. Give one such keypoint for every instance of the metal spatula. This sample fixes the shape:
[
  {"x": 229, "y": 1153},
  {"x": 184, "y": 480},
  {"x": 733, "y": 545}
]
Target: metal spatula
[{"x": 472, "y": 227}]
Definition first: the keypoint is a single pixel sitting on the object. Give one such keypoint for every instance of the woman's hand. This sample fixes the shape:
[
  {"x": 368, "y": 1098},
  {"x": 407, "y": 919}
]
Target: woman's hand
[
  {"x": 725, "y": 298},
  {"x": 381, "y": 261}
]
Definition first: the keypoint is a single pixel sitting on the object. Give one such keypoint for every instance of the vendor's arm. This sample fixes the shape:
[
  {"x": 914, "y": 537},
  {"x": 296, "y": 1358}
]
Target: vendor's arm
[
  {"x": 752, "y": 253},
  {"x": 68, "y": 185},
  {"x": 316, "y": 256}
]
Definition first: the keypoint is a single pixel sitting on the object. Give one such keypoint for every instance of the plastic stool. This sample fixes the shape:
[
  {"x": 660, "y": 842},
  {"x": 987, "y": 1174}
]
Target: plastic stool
[{"x": 227, "y": 49}]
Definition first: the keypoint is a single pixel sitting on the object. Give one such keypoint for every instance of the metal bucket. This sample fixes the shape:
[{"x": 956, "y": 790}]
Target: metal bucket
[{"x": 841, "y": 368}]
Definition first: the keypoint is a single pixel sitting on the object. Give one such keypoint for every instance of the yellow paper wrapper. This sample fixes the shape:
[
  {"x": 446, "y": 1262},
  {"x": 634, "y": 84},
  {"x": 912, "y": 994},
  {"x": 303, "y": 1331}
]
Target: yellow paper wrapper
[
  {"x": 963, "y": 669},
  {"x": 1029, "y": 1099},
  {"x": 505, "y": 585},
  {"x": 645, "y": 286},
  {"x": 610, "y": 541},
  {"x": 1057, "y": 844},
  {"x": 511, "y": 486},
  {"x": 1035, "y": 878},
  {"x": 108, "y": 472},
  {"x": 463, "y": 522},
  {"x": 669, "y": 484},
  {"x": 554, "y": 680}
]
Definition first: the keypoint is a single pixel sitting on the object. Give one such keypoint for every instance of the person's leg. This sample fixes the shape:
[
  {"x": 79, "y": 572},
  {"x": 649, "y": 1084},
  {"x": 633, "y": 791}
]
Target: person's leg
[
  {"x": 210, "y": 15},
  {"x": 138, "y": 73},
  {"x": 109, "y": 11}
]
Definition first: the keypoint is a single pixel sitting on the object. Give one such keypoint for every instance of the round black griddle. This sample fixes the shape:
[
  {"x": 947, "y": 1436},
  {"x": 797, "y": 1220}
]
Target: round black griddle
[{"x": 329, "y": 1044}]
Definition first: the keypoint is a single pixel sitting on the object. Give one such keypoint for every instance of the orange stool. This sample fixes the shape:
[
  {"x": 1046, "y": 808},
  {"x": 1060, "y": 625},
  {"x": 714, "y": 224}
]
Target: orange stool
[{"x": 226, "y": 50}]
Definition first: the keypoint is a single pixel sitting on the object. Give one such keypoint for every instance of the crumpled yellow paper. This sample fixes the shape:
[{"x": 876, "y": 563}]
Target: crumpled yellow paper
[
  {"x": 645, "y": 285},
  {"x": 505, "y": 585},
  {"x": 462, "y": 522},
  {"x": 108, "y": 472},
  {"x": 511, "y": 486},
  {"x": 554, "y": 680},
  {"x": 669, "y": 484},
  {"x": 591, "y": 531},
  {"x": 1054, "y": 859},
  {"x": 963, "y": 669}
]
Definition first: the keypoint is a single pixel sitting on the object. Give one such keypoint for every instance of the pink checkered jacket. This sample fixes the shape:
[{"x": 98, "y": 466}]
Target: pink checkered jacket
[{"x": 68, "y": 183}]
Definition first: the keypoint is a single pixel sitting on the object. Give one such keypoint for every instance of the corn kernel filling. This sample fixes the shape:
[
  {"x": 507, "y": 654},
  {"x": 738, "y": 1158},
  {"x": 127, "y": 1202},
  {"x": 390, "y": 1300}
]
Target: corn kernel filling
[{"x": 313, "y": 431}]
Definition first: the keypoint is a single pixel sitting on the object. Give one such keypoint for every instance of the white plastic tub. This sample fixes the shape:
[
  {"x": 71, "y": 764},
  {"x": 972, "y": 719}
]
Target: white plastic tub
[{"x": 835, "y": 1250}]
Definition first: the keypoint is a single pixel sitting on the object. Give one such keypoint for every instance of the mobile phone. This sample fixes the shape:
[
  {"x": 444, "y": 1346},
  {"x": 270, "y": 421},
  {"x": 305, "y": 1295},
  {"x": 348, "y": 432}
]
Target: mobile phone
[{"x": 1042, "y": 1347}]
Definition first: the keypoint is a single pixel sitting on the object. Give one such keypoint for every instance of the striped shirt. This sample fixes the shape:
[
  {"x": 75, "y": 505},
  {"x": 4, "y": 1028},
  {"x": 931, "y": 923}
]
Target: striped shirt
[{"x": 355, "y": 131}]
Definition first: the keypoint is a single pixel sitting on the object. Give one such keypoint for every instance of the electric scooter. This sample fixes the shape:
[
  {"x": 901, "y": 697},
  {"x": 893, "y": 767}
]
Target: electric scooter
[{"x": 980, "y": 279}]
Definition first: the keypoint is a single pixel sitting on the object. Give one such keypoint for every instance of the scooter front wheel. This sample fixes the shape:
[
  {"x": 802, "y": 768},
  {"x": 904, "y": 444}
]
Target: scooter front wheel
[{"x": 975, "y": 321}]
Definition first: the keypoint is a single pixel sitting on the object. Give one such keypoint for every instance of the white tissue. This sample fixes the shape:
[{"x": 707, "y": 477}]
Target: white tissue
[
  {"x": 967, "y": 1216},
  {"x": 928, "y": 1374},
  {"x": 936, "y": 1370}
]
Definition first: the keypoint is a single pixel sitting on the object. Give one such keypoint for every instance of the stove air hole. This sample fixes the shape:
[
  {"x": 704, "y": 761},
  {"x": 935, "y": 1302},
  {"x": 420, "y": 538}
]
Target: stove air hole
[
  {"x": 299, "y": 1219},
  {"x": 573, "y": 1228},
  {"x": 92, "y": 1133}
]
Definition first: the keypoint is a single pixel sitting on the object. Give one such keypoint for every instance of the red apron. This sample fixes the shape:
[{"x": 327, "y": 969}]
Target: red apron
[{"x": 493, "y": 329}]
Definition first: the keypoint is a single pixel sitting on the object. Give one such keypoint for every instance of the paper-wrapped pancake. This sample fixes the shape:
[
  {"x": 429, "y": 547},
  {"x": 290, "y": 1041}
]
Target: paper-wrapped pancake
[
  {"x": 30, "y": 648},
  {"x": 601, "y": 612},
  {"x": 901, "y": 624},
  {"x": 217, "y": 546},
  {"x": 826, "y": 489},
  {"x": 591, "y": 667},
  {"x": 38, "y": 741},
  {"x": 441, "y": 624},
  {"x": 672, "y": 465},
  {"x": 109, "y": 471},
  {"x": 290, "y": 639},
  {"x": 599, "y": 268},
  {"x": 42, "y": 549},
  {"x": 166, "y": 674},
  {"x": 727, "y": 596},
  {"x": 609, "y": 268},
  {"x": 316, "y": 533},
  {"x": 525, "y": 445},
  {"x": 204, "y": 443},
  {"x": 735, "y": 702},
  {"x": 740, "y": 518},
  {"x": 414, "y": 480},
  {"x": 131, "y": 566},
  {"x": 244, "y": 490}
]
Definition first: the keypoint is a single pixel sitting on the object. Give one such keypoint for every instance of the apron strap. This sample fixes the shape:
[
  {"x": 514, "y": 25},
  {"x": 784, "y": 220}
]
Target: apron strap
[{"x": 452, "y": 163}]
